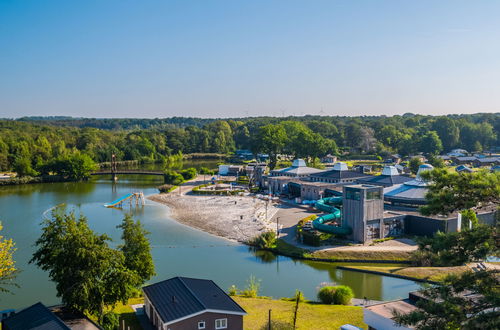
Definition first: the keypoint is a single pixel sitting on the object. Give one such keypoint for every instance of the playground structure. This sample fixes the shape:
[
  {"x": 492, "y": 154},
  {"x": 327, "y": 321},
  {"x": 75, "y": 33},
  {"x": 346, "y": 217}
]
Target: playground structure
[
  {"x": 328, "y": 205},
  {"x": 132, "y": 198}
]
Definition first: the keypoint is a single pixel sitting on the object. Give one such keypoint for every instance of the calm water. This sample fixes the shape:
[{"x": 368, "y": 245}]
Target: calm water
[{"x": 177, "y": 249}]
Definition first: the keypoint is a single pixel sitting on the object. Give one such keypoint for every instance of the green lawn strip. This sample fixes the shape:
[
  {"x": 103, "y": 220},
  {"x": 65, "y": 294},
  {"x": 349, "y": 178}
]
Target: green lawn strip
[
  {"x": 290, "y": 250},
  {"x": 310, "y": 315},
  {"x": 126, "y": 313},
  {"x": 397, "y": 256},
  {"x": 435, "y": 274}
]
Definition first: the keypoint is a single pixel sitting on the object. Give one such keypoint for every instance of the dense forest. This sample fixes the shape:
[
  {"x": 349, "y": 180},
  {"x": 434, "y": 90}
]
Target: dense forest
[{"x": 28, "y": 145}]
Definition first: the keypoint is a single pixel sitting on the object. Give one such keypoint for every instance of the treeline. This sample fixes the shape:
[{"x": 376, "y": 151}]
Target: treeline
[{"x": 37, "y": 141}]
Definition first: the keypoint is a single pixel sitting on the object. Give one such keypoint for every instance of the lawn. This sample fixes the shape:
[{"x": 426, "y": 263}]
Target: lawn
[
  {"x": 310, "y": 315},
  {"x": 396, "y": 256},
  {"x": 127, "y": 314},
  {"x": 435, "y": 274}
]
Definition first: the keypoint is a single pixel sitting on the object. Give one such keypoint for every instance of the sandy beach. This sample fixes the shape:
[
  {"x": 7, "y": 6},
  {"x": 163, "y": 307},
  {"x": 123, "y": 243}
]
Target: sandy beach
[{"x": 238, "y": 218}]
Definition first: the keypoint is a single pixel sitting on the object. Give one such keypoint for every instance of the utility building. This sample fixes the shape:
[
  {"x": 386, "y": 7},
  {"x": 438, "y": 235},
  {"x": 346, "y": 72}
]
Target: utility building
[{"x": 363, "y": 211}]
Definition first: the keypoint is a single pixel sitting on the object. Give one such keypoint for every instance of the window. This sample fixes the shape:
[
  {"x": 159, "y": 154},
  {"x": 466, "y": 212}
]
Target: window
[
  {"x": 221, "y": 324},
  {"x": 373, "y": 195},
  {"x": 201, "y": 325}
]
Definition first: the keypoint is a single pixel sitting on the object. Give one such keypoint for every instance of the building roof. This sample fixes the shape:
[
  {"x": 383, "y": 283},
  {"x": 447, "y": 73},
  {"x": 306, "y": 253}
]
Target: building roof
[
  {"x": 386, "y": 309},
  {"x": 298, "y": 168},
  {"x": 36, "y": 317},
  {"x": 461, "y": 168},
  {"x": 343, "y": 174},
  {"x": 385, "y": 180},
  {"x": 466, "y": 158},
  {"x": 180, "y": 297},
  {"x": 488, "y": 160}
]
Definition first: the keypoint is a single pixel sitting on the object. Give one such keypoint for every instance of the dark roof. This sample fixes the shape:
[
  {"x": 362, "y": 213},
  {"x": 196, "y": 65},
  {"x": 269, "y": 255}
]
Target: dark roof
[
  {"x": 34, "y": 317},
  {"x": 385, "y": 180},
  {"x": 465, "y": 158},
  {"x": 336, "y": 174},
  {"x": 488, "y": 160},
  {"x": 181, "y": 296}
]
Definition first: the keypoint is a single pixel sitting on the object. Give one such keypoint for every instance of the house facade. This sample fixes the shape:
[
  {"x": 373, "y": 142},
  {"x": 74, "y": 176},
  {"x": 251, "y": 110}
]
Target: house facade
[{"x": 187, "y": 303}]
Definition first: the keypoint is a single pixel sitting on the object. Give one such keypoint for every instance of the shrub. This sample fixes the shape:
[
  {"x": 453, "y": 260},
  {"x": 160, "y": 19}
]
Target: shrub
[
  {"x": 110, "y": 321},
  {"x": 166, "y": 188},
  {"x": 327, "y": 295},
  {"x": 206, "y": 170},
  {"x": 172, "y": 177},
  {"x": 343, "y": 295},
  {"x": 265, "y": 240},
  {"x": 277, "y": 325},
  {"x": 188, "y": 173},
  {"x": 337, "y": 295},
  {"x": 233, "y": 290},
  {"x": 253, "y": 288}
]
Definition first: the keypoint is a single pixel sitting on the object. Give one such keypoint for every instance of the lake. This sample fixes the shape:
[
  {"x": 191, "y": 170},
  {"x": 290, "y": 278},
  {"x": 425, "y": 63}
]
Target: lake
[{"x": 177, "y": 250}]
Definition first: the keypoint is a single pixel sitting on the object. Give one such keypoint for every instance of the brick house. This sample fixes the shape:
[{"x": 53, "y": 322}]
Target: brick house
[{"x": 189, "y": 303}]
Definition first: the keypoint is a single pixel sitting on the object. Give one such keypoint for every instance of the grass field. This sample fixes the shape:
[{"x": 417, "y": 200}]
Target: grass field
[
  {"x": 435, "y": 274},
  {"x": 310, "y": 315},
  {"x": 396, "y": 256}
]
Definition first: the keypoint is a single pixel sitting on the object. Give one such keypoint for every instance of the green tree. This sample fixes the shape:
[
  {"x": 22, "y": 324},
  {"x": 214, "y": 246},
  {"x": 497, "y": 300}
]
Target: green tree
[
  {"x": 414, "y": 164},
  {"x": 8, "y": 269},
  {"x": 449, "y": 305},
  {"x": 89, "y": 275},
  {"x": 452, "y": 191},
  {"x": 457, "y": 248},
  {"x": 22, "y": 166},
  {"x": 431, "y": 143},
  {"x": 270, "y": 139},
  {"x": 136, "y": 249},
  {"x": 447, "y": 131}
]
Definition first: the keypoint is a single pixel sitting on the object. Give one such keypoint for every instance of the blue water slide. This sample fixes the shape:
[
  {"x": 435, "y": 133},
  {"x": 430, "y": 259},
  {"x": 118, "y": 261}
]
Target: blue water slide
[
  {"x": 119, "y": 200},
  {"x": 328, "y": 205}
]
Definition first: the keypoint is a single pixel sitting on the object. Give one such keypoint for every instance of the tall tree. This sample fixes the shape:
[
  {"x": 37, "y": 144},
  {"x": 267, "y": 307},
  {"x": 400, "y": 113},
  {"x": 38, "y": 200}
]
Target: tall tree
[
  {"x": 448, "y": 132},
  {"x": 451, "y": 191},
  {"x": 270, "y": 139},
  {"x": 136, "y": 248},
  {"x": 431, "y": 143},
  {"x": 89, "y": 275}
]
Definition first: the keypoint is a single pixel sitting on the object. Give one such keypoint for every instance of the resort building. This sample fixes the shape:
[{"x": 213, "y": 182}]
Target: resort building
[
  {"x": 410, "y": 193},
  {"x": 188, "y": 303},
  {"x": 339, "y": 174},
  {"x": 299, "y": 169},
  {"x": 389, "y": 177}
]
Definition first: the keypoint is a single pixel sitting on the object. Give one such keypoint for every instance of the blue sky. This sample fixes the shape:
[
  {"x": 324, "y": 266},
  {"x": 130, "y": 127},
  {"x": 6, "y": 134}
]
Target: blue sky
[{"x": 211, "y": 58}]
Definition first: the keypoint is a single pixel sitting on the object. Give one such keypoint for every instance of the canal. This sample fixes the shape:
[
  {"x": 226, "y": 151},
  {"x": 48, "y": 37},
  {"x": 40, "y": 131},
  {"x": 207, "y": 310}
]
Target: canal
[{"x": 177, "y": 249}]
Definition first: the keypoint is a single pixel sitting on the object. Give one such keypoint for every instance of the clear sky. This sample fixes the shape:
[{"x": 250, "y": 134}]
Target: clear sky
[{"x": 210, "y": 58}]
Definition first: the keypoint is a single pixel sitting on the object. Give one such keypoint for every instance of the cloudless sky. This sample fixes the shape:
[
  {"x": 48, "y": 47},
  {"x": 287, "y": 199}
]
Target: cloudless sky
[{"x": 214, "y": 58}]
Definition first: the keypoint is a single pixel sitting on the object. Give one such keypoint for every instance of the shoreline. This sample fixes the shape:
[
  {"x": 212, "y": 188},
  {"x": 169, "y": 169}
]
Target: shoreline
[{"x": 236, "y": 218}]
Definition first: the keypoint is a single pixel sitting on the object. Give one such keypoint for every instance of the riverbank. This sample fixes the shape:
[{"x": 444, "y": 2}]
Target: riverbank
[
  {"x": 31, "y": 180},
  {"x": 238, "y": 218}
]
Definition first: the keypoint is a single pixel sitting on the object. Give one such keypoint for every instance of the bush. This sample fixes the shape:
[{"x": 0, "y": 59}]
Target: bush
[
  {"x": 253, "y": 288},
  {"x": 206, "y": 170},
  {"x": 188, "y": 173},
  {"x": 267, "y": 240},
  {"x": 233, "y": 290},
  {"x": 172, "y": 177},
  {"x": 166, "y": 188},
  {"x": 343, "y": 295},
  {"x": 327, "y": 295},
  {"x": 110, "y": 321},
  {"x": 337, "y": 295}
]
